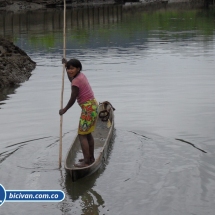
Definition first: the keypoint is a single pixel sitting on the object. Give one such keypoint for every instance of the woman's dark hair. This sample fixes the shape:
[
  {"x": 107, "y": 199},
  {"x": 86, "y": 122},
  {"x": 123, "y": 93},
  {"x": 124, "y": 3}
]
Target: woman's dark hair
[{"x": 75, "y": 63}]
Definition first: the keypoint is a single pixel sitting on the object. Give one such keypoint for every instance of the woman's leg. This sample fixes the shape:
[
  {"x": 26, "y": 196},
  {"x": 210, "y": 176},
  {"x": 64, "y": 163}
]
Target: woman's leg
[
  {"x": 90, "y": 140},
  {"x": 91, "y": 146},
  {"x": 85, "y": 149}
]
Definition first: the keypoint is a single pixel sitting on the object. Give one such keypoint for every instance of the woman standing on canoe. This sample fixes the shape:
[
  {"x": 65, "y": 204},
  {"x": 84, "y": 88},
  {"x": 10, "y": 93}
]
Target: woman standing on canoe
[{"x": 82, "y": 91}]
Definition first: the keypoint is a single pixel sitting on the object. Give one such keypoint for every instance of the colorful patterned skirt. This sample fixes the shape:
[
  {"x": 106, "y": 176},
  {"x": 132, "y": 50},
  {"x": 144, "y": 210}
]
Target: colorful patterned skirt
[{"x": 88, "y": 117}]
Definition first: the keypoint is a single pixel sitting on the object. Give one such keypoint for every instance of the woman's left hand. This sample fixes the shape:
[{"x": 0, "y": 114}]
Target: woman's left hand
[{"x": 64, "y": 61}]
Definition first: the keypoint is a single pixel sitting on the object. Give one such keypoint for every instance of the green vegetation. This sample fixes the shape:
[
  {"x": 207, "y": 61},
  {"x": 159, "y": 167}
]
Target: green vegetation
[{"x": 46, "y": 40}]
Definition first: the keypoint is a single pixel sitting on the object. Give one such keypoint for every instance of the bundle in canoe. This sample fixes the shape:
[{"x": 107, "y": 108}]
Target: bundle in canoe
[{"x": 102, "y": 136}]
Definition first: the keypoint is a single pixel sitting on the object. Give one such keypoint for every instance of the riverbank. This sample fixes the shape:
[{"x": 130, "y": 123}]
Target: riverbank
[
  {"x": 152, "y": 5},
  {"x": 6, "y": 5},
  {"x": 15, "y": 6}
]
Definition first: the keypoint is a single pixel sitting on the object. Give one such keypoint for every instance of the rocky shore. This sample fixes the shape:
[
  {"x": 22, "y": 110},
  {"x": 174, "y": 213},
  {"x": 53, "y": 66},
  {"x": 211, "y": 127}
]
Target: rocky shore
[
  {"x": 7, "y": 5},
  {"x": 15, "y": 65},
  {"x": 16, "y": 5}
]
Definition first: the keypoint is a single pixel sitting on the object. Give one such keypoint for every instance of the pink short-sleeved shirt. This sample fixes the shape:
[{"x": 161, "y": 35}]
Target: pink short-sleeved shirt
[{"x": 85, "y": 90}]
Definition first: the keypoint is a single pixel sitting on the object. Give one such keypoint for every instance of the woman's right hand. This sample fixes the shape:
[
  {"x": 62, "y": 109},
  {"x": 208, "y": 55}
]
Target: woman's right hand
[{"x": 62, "y": 111}]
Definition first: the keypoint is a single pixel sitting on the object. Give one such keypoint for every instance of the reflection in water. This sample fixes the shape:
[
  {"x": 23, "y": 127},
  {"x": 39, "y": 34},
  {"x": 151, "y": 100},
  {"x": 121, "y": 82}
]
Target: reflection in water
[
  {"x": 82, "y": 190},
  {"x": 7, "y": 91},
  {"x": 78, "y": 188},
  {"x": 91, "y": 202}
]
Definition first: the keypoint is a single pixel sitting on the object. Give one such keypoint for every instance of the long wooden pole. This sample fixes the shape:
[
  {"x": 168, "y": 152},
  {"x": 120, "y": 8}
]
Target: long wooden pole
[{"x": 62, "y": 89}]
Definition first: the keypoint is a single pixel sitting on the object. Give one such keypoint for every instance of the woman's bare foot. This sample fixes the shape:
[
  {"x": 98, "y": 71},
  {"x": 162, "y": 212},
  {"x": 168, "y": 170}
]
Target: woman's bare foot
[
  {"x": 91, "y": 160},
  {"x": 81, "y": 164}
]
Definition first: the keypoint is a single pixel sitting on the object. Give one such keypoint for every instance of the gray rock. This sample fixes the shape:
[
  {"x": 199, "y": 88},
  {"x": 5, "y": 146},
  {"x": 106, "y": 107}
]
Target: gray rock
[{"x": 15, "y": 65}]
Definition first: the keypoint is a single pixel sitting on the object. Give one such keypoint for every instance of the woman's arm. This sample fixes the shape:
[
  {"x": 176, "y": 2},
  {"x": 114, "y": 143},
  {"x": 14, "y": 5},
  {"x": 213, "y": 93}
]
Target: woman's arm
[{"x": 74, "y": 95}]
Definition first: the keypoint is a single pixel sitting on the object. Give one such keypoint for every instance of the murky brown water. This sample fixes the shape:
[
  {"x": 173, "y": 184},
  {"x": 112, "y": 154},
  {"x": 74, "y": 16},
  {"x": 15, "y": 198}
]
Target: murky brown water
[{"x": 157, "y": 69}]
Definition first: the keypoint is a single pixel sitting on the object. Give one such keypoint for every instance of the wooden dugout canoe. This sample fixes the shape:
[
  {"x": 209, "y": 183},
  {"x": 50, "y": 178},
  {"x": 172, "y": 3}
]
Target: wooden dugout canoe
[{"x": 102, "y": 136}]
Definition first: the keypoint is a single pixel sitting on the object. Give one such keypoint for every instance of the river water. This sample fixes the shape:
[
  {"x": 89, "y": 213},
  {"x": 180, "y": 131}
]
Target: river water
[{"x": 157, "y": 70}]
